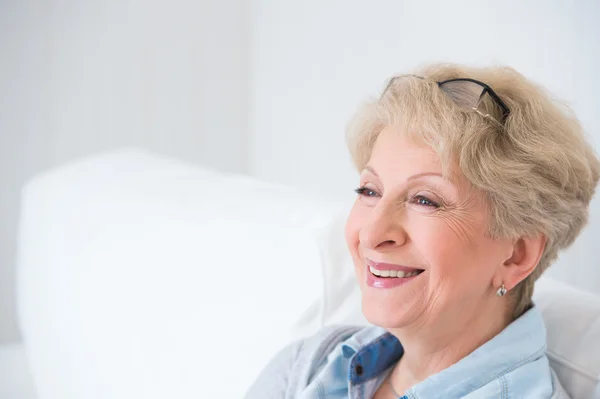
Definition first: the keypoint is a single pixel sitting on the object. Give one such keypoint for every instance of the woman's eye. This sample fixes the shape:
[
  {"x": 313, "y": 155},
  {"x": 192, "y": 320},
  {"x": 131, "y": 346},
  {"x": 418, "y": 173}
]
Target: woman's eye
[
  {"x": 366, "y": 192},
  {"x": 421, "y": 200}
]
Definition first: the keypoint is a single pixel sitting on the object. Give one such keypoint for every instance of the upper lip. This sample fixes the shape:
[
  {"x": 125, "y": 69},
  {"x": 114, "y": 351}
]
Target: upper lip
[{"x": 389, "y": 266}]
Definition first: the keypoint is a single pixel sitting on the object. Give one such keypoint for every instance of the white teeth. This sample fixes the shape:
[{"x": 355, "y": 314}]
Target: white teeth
[{"x": 392, "y": 273}]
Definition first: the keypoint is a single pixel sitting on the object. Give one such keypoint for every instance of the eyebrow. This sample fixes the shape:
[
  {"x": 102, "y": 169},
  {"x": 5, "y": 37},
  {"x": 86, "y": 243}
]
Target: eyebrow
[{"x": 418, "y": 175}]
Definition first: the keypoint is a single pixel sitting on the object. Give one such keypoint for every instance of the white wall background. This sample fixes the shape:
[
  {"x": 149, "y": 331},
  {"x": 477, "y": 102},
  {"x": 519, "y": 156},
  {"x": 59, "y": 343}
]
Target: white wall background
[
  {"x": 78, "y": 77},
  {"x": 258, "y": 86}
]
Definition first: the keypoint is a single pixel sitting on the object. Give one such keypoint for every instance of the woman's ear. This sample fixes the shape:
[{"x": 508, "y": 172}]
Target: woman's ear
[{"x": 526, "y": 255}]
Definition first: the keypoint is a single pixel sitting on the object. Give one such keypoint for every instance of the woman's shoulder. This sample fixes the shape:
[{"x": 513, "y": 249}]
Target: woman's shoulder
[
  {"x": 295, "y": 366},
  {"x": 323, "y": 355}
]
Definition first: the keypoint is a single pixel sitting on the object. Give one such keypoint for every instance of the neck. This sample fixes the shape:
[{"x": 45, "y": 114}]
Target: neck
[{"x": 430, "y": 347}]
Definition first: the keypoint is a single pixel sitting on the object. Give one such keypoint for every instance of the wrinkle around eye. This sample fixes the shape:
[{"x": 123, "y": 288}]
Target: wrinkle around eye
[{"x": 462, "y": 223}]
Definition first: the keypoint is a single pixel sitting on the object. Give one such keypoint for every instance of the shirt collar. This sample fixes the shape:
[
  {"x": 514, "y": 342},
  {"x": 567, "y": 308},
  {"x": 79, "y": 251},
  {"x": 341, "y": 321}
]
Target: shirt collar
[
  {"x": 372, "y": 351},
  {"x": 524, "y": 340}
]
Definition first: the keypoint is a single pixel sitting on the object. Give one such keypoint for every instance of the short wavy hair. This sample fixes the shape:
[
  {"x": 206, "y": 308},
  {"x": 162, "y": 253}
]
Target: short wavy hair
[{"x": 536, "y": 169}]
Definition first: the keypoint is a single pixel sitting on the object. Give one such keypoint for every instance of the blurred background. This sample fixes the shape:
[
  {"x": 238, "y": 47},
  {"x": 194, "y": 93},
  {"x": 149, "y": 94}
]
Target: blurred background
[{"x": 257, "y": 87}]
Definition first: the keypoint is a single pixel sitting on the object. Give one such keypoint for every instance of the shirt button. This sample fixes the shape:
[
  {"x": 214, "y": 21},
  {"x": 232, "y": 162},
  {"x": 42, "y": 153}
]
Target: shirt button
[{"x": 359, "y": 370}]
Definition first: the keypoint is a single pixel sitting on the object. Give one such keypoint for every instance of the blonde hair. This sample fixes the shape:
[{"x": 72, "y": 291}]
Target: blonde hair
[{"x": 536, "y": 169}]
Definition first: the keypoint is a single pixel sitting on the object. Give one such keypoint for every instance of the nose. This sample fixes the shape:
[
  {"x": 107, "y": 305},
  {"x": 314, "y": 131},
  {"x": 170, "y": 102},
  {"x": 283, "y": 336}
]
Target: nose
[{"x": 384, "y": 228}]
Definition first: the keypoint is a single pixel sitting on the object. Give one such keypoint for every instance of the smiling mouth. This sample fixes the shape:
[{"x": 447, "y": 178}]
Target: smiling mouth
[{"x": 394, "y": 273}]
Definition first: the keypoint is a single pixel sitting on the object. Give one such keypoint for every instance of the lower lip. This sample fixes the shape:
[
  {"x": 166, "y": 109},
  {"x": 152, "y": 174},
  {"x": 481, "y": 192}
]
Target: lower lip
[{"x": 389, "y": 282}]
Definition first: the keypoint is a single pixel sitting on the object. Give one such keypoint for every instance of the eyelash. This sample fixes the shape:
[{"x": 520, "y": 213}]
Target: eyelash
[{"x": 362, "y": 191}]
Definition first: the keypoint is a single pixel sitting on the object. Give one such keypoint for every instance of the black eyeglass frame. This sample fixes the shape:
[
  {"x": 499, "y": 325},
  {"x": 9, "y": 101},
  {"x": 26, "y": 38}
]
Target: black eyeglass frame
[{"x": 486, "y": 89}]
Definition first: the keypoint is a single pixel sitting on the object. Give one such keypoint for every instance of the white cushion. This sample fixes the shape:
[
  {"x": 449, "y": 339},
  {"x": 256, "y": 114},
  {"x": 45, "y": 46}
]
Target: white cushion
[
  {"x": 143, "y": 277},
  {"x": 122, "y": 292},
  {"x": 572, "y": 320},
  {"x": 15, "y": 378}
]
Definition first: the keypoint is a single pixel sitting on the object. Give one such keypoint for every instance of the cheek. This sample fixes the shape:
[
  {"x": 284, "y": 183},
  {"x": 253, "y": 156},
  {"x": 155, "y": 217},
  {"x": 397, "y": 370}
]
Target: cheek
[
  {"x": 352, "y": 229},
  {"x": 457, "y": 260},
  {"x": 445, "y": 250}
]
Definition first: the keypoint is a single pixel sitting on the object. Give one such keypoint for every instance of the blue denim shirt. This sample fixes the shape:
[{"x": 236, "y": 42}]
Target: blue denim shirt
[{"x": 352, "y": 362}]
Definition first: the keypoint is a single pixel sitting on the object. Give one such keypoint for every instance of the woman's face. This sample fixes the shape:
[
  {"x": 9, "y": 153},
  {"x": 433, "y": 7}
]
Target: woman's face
[{"x": 408, "y": 219}]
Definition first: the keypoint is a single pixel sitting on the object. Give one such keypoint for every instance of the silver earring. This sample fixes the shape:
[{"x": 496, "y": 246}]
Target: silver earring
[{"x": 501, "y": 291}]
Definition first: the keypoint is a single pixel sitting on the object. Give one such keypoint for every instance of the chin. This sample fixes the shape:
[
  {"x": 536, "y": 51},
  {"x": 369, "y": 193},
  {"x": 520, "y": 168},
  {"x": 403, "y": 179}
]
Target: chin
[{"x": 383, "y": 313}]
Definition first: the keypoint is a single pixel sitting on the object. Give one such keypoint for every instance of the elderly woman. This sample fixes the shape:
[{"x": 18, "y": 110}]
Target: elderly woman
[{"x": 471, "y": 182}]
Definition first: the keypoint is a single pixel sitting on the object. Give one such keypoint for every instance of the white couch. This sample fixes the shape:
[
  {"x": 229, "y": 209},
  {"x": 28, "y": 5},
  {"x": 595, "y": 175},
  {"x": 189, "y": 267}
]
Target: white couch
[
  {"x": 144, "y": 277},
  {"x": 16, "y": 381}
]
